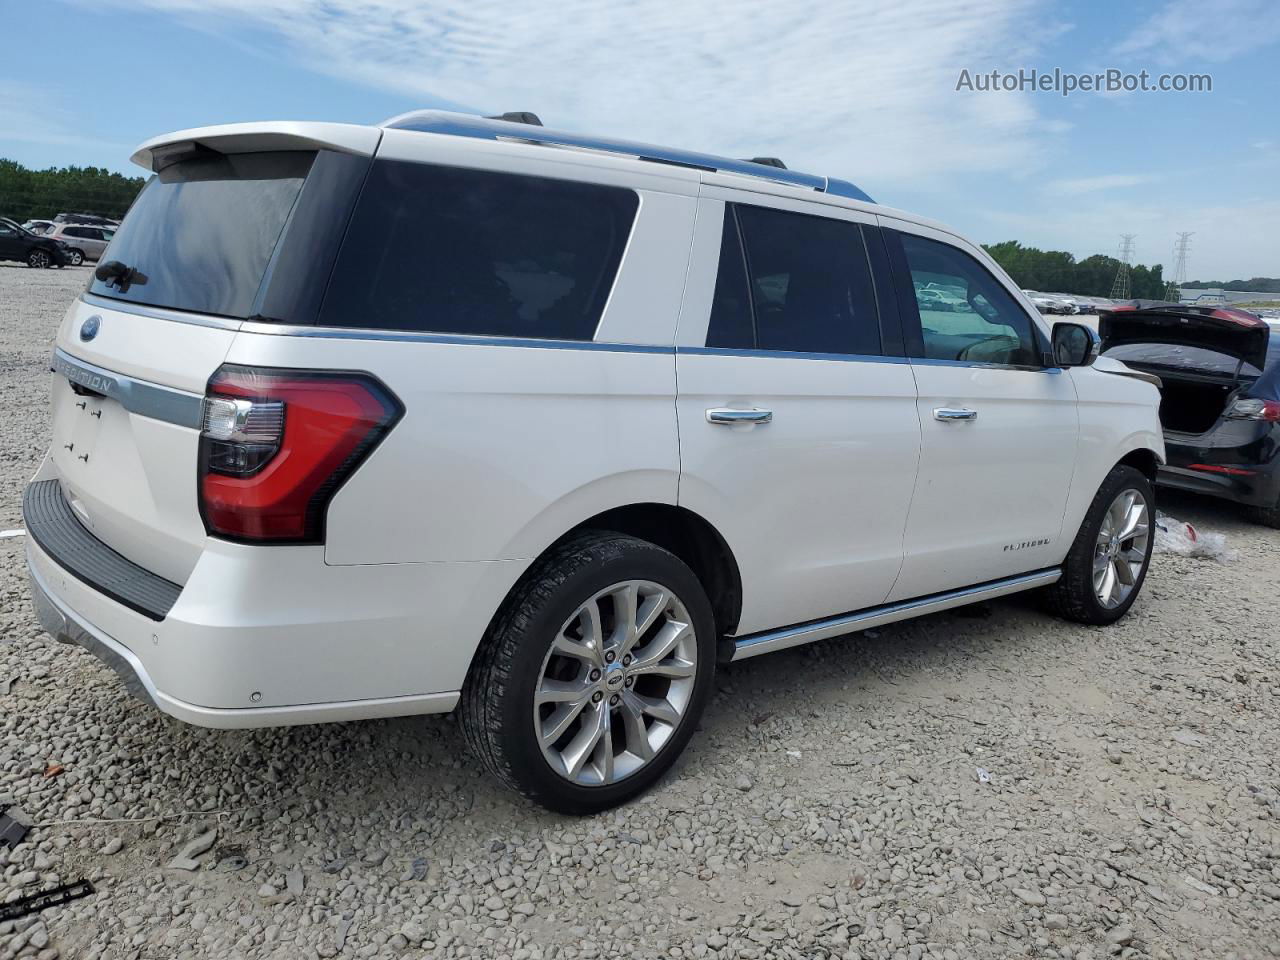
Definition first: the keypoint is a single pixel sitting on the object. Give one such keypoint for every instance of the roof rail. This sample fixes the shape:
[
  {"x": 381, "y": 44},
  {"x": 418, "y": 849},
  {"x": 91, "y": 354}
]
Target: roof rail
[{"x": 489, "y": 128}]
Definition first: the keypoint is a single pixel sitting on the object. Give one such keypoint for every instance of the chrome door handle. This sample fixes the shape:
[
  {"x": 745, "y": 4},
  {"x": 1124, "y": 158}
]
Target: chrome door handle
[
  {"x": 951, "y": 414},
  {"x": 730, "y": 416}
]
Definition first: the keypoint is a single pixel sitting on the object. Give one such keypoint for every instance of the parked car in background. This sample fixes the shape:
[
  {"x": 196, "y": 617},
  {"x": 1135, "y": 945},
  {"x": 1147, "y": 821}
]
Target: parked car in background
[
  {"x": 82, "y": 242},
  {"x": 91, "y": 219},
  {"x": 37, "y": 226},
  {"x": 1220, "y": 399},
  {"x": 1046, "y": 303},
  {"x": 17, "y": 243},
  {"x": 365, "y": 421}
]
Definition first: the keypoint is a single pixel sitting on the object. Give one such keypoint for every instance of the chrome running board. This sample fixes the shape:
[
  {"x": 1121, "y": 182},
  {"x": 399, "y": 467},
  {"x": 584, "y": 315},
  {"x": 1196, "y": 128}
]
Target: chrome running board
[{"x": 755, "y": 644}]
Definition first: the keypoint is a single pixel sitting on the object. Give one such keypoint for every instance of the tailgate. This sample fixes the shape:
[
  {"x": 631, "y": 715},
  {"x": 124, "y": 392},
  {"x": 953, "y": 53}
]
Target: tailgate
[{"x": 126, "y": 424}]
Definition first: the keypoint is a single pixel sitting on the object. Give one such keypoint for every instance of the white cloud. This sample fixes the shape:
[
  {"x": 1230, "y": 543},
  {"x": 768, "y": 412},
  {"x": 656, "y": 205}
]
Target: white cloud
[
  {"x": 1214, "y": 30},
  {"x": 854, "y": 89},
  {"x": 1074, "y": 186}
]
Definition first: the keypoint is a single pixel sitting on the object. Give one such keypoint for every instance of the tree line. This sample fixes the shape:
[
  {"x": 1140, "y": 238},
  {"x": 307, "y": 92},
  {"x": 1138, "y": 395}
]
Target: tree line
[
  {"x": 27, "y": 194},
  {"x": 1056, "y": 271},
  {"x": 1258, "y": 284}
]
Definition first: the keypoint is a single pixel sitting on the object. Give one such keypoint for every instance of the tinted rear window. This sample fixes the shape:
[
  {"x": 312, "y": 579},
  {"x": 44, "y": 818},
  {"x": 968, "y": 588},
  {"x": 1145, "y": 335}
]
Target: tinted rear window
[
  {"x": 451, "y": 250},
  {"x": 803, "y": 285},
  {"x": 201, "y": 233}
]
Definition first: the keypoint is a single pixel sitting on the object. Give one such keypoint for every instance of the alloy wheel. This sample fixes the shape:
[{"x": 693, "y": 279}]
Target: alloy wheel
[
  {"x": 38, "y": 259},
  {"x": 616, "y": 683},
  {"x": 1121, "y": 548}
]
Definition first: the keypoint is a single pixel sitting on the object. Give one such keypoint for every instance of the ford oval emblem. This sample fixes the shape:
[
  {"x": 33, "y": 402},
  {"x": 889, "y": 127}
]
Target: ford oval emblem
[{"x": 89, "y": 329}]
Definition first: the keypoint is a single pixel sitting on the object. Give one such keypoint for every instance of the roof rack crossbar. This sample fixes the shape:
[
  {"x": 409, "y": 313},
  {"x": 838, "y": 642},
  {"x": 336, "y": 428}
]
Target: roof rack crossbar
[{"x": 490, "y": 128}]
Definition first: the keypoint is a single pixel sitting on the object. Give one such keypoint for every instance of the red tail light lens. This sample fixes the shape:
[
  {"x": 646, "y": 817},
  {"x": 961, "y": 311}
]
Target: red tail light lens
[{"x": 277, "y": 444}]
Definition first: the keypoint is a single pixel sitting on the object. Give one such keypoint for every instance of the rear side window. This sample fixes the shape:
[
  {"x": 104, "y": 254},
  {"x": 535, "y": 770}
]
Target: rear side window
[
  {"x": 201, "y": 233},
  {"x": 793, "y": 282},
  {"x": 452, "y": 250}
]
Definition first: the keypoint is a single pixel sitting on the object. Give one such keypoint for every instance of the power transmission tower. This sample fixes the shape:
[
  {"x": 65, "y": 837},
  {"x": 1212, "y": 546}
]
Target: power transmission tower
[
  {"x": 1173, "y": 292},
  {"x": 1120, "y": 289}
]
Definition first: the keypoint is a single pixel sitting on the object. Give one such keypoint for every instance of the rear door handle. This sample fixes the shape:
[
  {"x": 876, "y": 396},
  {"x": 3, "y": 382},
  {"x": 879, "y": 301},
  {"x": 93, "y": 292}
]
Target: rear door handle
[
  {"x": 951, "y": 414},
  {"x": 727, "y": 415}
]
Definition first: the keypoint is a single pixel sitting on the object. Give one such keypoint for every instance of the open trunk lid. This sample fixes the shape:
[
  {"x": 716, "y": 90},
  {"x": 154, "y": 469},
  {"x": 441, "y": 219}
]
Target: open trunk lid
[{"x": 1223, "y": 330}]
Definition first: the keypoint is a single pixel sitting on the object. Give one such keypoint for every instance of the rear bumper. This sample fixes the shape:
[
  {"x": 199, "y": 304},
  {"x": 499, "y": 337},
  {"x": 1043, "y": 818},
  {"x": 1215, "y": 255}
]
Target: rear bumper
[
  {"x": 1260, "y": 489},
  {"x": 65, "y": 626},
  {"x": 274, "y": 636}
]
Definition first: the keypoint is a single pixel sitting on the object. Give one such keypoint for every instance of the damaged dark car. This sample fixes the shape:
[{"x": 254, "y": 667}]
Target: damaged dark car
[{"x": 1220, "y": 396}]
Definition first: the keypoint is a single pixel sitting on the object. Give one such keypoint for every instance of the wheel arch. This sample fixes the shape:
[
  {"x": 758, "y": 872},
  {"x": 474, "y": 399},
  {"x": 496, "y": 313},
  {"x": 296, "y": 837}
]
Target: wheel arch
[
  {"x": 684, "y": 533},
  {"x": 690, "y": 537}
]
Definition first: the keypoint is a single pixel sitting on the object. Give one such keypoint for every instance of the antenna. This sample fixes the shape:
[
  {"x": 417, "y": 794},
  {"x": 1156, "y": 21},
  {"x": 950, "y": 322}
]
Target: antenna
[
  {"x": 1173, "y": 292},
  {"x": 1120, "y": 289}
]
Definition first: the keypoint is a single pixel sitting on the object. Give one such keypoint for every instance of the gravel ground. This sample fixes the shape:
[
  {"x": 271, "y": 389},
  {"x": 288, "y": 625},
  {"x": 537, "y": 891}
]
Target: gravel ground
[{"x": 830, "y": 807}]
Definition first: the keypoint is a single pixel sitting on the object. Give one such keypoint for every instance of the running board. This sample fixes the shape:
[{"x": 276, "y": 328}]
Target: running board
[{"x": 755, "y": 644}]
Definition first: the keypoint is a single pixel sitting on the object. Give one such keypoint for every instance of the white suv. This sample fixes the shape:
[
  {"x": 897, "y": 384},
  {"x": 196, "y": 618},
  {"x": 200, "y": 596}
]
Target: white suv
[{"x": 453, "y": 412}]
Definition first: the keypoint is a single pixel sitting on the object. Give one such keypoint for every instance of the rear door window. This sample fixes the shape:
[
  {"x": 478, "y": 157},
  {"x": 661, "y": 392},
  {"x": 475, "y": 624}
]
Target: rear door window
[
  {"x": 452, "y": 250},
  {"x": 793, "y": 282},
  {"x": 201, "y": 233}
]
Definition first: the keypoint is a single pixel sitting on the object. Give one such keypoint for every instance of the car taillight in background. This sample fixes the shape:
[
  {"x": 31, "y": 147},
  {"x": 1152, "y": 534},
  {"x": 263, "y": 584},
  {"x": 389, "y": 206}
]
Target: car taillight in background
[
  {"x": 1251, "y": 408},
  {"x": 277, "y": 444}
]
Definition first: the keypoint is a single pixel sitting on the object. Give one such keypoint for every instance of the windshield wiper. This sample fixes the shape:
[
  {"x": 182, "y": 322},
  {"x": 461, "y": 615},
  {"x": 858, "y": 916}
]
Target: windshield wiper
[{"x": 118, "y": 274}]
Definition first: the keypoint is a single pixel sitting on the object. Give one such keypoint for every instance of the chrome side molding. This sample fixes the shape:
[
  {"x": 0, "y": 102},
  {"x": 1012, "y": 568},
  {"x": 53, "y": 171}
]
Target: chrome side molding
[
  {"x": 137, "y": 396},
  {"x": 757, "y": 643}
]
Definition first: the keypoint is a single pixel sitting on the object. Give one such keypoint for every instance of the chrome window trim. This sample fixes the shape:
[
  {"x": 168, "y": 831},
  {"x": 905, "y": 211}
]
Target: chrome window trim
[
  {"x": 161, "y": 313},
  {"x": 790, "y": 354},
  {"x": 137, "y": 396},
  {"x": 456, "y": 339}
]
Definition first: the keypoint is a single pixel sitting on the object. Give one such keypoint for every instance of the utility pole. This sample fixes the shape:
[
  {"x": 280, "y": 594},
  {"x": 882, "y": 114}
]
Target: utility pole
[
  {"x": 1173, "y": 292},
  {"x": 1120, "y": 289}
]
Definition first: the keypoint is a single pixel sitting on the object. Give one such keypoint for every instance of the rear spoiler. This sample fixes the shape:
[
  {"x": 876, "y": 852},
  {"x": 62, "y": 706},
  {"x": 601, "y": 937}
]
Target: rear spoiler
[{"x": 256, "y": 137}]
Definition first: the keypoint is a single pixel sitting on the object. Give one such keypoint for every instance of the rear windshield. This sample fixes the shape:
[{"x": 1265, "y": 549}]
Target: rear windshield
[
  {"x": 201, "y": 233},
  {"x": 450, "y": 250}
]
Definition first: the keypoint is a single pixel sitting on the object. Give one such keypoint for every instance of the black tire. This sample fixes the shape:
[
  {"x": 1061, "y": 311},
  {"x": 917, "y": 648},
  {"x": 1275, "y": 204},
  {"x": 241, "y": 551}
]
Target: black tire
[
  {"x": 498, "y": 696},
  {"x": 1073, "y": 597},
  {"x": 39, "y": 259},
  {"x": 1267, "y": 516},
  {"x": 75, "y": 257}
]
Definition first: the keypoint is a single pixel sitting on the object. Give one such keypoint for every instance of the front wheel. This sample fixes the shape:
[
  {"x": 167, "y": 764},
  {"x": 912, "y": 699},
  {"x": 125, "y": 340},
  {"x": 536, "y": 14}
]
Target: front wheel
[
  {"x": 593, "y": 676},
  {"x": 1109, "y": 558},
  {"x": 39, "y": 259},
  {"x": 75, "y": 258}
]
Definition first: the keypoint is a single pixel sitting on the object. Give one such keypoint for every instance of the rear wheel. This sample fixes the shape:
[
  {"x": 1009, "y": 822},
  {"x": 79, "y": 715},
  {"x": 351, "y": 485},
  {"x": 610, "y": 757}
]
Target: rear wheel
[
  {"x": 1108, "y": 561},
  {"x": 39, "y": 259},
  {"x": 594, "y": 674},
  {"x": 1267, "y": 516}
]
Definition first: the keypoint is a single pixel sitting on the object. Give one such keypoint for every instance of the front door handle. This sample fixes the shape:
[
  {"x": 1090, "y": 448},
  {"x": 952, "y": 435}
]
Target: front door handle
[
  {"x": 952, "y": 414},
  {"x": 727, "y": 415}
]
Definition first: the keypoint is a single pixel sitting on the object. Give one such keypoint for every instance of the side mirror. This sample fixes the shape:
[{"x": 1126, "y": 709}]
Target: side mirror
[{"x": 1075, "y": 345}]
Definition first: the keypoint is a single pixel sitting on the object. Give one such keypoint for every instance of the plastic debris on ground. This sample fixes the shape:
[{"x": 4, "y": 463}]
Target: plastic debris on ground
[
  {"x": 1184, "y": 540},
  {"x": 983, "y": 775}
]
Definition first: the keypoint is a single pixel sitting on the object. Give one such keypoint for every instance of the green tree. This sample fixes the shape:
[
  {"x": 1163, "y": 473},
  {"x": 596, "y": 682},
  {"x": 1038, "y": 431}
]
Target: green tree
[
  {"x": 25, "y": 194},
  {"x": 1056, "y": 271}
]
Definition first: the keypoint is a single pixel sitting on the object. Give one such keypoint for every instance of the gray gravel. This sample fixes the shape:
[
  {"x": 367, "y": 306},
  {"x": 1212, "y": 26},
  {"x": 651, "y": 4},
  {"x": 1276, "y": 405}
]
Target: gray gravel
[{"x": 831, "y": 806}]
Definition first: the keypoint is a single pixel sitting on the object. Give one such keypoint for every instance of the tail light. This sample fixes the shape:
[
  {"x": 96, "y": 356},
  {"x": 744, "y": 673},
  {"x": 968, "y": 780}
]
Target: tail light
[
  {"x": 277, "y": 444},
  {"x": 1251, "y": 408}
]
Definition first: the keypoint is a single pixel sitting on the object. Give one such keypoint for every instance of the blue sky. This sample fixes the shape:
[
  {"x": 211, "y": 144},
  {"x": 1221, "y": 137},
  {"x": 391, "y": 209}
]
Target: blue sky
[{"x": 853, "y": 89}]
